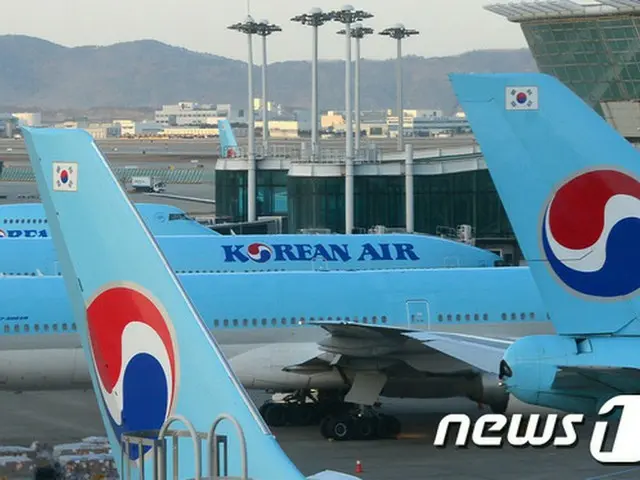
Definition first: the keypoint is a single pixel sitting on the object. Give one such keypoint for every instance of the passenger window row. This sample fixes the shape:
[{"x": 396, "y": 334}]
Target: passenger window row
[
  {"x": 293, "y": 321},
  {"x": 229, "y": 271},
  {"x": 14, "y": 274},
  {"x": 26, "y": 328},
  {"x": 23, "y": 220},
  {"x": 467, "y": 317}
]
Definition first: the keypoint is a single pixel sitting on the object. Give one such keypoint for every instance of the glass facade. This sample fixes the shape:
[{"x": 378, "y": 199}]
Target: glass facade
[
  {"x": 440, "y": 201},
  {"x": 597, "y": 57},
  {"x": 231, "y": 194}
]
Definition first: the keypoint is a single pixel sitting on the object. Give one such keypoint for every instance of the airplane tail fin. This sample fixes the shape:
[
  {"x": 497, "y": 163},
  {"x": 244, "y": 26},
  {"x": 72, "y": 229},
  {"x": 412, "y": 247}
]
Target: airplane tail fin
[
  {"x": 150, "y": 354},
  {"x": 570, "y": 186},
  {"x": 228, "y": 143}
]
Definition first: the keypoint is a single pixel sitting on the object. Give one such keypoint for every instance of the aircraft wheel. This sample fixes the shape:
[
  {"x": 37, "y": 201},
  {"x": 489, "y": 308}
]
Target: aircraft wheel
[
  {"x": 275, "y": 415},
  {"x": 324, "y": 426},
  {"x": 264, "y": 406},
  {"x": 341, "y": 427},
  {"x": 388, "y": 426},
  {"x": 301, "y": 415},
  {"x": 366, "y": 428}
]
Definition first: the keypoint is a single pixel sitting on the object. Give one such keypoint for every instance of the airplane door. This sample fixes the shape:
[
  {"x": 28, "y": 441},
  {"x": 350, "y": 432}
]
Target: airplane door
[{"x": 418, "y": 314}]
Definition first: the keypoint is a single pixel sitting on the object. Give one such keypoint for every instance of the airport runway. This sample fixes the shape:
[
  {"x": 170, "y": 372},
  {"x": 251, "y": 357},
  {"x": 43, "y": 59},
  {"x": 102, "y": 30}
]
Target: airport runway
[
  {"x": 57, "y": 417},
  {"x": 21, "y": 192}
]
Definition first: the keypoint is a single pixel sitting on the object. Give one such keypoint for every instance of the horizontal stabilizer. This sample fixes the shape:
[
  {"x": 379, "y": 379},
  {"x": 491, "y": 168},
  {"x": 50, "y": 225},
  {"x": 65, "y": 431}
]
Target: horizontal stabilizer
[{"x": 331, "y": 475}]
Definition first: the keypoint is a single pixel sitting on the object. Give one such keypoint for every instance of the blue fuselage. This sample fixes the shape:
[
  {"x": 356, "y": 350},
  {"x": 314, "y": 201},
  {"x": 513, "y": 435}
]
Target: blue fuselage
[{"x": 271, "y": 314}]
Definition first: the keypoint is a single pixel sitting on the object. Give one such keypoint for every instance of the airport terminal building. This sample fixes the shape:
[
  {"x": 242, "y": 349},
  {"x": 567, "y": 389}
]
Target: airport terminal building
[
  {"x": 593, "y": 49},
  {"x": 452, "y": 187}
]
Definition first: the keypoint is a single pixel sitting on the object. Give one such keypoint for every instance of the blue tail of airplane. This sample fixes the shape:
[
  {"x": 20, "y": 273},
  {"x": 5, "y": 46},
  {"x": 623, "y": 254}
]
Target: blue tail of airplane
[
  {"x": 228, "y": 143},
  {"x": 150, "y": 355},
  {"x": 570, "y": 185}
]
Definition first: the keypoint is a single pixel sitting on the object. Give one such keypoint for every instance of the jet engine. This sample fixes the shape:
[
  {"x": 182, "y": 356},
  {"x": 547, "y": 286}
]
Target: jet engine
[{"x": 530, "y": 367}]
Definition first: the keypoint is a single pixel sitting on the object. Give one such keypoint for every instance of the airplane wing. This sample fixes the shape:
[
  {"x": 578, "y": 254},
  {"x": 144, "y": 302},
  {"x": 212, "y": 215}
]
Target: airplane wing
[
  {"x": 376, "y": 353},
  {"x": 483, "y": 353},
  {"x": 182, "y": 197}
]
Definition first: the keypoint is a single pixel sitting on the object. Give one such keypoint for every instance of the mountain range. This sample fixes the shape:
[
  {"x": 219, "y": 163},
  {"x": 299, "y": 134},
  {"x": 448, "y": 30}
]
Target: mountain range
[{"x": 38, "y": 74}]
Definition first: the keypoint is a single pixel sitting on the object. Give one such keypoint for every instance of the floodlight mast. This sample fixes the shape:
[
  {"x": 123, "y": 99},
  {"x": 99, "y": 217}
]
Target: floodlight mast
[
  {"x": 264, "y": 30},
  {"x": 358, "y": 32},
  {"x": 399, "y": 32},
  {"x": 347, "y": 16},
  {"x": 315, "y": 18},
  {"x": 249, "y": 27}
]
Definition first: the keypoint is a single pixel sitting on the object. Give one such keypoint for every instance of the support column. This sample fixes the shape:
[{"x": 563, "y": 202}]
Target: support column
[
  {"x": 251, "y": 156},
  {"x": 408, "y": 189},
  {"x": 399, "y": 105},
  {"x": 265, "y": 109},
  {"x": 348, "y": 187}
]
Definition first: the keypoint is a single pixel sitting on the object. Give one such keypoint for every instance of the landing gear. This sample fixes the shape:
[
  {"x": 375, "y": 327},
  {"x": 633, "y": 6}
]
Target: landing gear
[
  {"x": 500, "y": 406},
  {"x": 359, "y": 426},
  {"x": 301, "y": 409}
]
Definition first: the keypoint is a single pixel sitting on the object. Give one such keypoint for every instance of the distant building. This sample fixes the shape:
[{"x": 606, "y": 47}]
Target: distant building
[
  {"x": 425, "y": 123},
  {"x": 100, "y": 131},
  {"x": 282, "y": 128},
  {"x": 130, "y": 128},
  {"x": 332, "y": 119},
  {"x": 191, "y": 114},
  {"x": 25, "y": 119},
  {"x": 8, "y": 125}
]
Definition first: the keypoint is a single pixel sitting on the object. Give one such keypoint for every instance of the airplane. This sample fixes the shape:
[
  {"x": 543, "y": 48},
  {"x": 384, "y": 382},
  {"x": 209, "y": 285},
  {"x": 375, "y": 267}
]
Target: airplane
[
  {"x": 228, "y": 142},
  {"x": 28, "y": 221},
  {"x": 223, "y": 253},
  {"x": 578, "y": 226},
  {"x": 352, "y": 336},
  {"x": 141, "y": 334}
]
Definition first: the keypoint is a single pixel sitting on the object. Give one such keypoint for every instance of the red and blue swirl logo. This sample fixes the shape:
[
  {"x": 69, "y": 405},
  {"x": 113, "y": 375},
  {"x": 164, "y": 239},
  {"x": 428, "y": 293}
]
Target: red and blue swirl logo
[
  {"x": 135, "y": 358},
  {"x": 590, "y": 233},
  {"x": 259, "y": 252}
]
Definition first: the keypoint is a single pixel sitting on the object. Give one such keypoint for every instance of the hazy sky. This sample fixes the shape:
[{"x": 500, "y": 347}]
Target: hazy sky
[{"x": 446, "y": 26}]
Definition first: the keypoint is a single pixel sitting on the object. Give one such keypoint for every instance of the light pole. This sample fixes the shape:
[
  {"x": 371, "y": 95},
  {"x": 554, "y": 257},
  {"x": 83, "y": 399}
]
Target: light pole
[
  {"x": 264, "y": 30},
  {"x": 250, "y": 27},
  {"x": 399, "y": 32},
  {"x": 358, "y": 32},
  {"x": 315, "y": 18},
  {"x": 347, "y": 16}
]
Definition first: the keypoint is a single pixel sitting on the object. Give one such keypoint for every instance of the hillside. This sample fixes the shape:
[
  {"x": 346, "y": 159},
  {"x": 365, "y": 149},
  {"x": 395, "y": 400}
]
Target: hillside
[{"x": 146, "y": 73}]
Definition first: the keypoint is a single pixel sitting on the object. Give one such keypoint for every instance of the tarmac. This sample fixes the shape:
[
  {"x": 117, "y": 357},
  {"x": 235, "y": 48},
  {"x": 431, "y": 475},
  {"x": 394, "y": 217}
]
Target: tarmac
[
  {"x": 21, "y": 192},
  {"x": 60, "y": 417}
]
